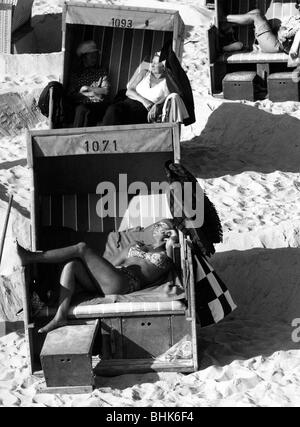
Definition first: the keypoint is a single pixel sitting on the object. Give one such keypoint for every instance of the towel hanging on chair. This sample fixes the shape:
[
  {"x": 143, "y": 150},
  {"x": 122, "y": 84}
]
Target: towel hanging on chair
[{"x": 213, "y": 300}]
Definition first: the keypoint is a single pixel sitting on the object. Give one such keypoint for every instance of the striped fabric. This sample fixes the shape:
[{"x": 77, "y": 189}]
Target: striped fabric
[
  {"x": 119, "y": 308},
  {"x": 213, "y": 300},
  {"x": 79, "y": 212},
  {"x": 253, "y": 57}
]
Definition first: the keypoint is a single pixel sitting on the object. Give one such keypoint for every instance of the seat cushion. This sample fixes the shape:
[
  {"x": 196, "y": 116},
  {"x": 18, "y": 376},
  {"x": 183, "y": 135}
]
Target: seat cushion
[
  {"x": 164, "y": 297},
  {"x": 117, "y": 309},
  {"x": 252, "y": 57}
]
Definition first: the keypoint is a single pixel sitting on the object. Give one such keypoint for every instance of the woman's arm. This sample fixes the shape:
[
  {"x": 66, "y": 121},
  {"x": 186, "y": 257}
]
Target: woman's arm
[
  {"x": 132, "y": 93},
  {"x": 294, "y": 52},
  {"x": 121, "y": 257},
  {"x": 171, "y": 241},
  {"x": 102, "y": 88}
]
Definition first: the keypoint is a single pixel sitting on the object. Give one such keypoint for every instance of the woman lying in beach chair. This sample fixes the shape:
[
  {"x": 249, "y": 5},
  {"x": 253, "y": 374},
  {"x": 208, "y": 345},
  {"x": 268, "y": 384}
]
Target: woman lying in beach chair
[
  {"x": 133, "y": 269},
  {"x": 286, "y": 40}
]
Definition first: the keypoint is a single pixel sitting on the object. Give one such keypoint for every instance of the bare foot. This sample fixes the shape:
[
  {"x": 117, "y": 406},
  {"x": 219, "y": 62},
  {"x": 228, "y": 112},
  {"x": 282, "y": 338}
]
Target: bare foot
[
  {"x": 51, "y": 326},
  {"x": 23, "y": 254}
]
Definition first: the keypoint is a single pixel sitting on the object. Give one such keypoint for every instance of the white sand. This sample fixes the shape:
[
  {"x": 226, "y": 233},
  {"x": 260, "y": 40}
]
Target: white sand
[{"x": 246, "y": 155}]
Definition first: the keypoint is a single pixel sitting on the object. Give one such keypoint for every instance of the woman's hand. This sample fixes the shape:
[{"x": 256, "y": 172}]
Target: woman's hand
[
  {"x": 172, "y": 237},
  {"x": 171, "y": 240},
  {"x": 293, "y": 54},
  {"x": 153, "y": 112}
]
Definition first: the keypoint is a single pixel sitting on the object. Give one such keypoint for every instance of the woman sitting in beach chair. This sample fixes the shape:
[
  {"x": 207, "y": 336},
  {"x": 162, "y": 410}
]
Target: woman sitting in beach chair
[
  {"x": 148, "y": 99},
  {"x": 132, "y": 269},
  {"x": 89, "y": 87},
  {"x": 286, "y": 40}
]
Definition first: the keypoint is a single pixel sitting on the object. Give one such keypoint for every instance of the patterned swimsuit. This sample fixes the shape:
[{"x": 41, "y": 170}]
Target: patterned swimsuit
[{"x": 159, "y": 259}]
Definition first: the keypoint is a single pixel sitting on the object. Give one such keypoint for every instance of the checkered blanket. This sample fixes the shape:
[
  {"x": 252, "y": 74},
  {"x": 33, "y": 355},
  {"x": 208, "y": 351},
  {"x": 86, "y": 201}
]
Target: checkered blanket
[{"x": 213, "y": 300}]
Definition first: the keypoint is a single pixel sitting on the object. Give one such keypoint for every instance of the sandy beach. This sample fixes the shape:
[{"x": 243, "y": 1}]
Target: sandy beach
[{"x": 246, "y": 157}]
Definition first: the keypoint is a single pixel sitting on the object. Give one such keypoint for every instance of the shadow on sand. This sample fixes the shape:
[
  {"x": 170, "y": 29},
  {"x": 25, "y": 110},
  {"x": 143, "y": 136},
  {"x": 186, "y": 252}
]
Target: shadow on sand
[
  {"x": 265, "y": 285},
  {"x": 240, "y": 138}
]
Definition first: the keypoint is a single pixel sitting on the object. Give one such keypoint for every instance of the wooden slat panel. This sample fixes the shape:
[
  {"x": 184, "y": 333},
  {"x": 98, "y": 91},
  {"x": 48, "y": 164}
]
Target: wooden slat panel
[
  {"x": 95, "y": 221},
  {"x": 158, "y": 42},
  {"x": 235, "y": 5},
  {"x": 147, "y": 45},
  {"x": 70, "y": 211},
  {"x": 160, "y": 207},
  {"x": 136, "y": 51},
  {"x": 46, "y": 211},
  {"x": 125, "y": 59},
  {"x": 261, "y": 5},
  {"x": 99, "y": 38},
  {"x": 244, "y": 29},
  {"x": 114, "y": 67},
  {"x": 57, "y": 211},
  {"x": 82, "y": 212},
  {"x": 133, "y": 215},
  {"x": 121, "y": 221},
  {"x": 146, "y": 211},
  {"x": 107, "y": 42},
  {"x": 213, "y": 44},
  {"x": 89, "y": 32}
]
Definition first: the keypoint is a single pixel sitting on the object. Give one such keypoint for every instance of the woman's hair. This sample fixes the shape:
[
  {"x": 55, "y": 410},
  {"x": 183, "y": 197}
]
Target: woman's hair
[{"x": 167, "y": 221}]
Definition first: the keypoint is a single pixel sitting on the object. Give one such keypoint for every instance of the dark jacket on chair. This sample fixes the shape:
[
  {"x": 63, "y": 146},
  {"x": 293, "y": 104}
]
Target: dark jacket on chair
[{"x": 178, "y": 80}]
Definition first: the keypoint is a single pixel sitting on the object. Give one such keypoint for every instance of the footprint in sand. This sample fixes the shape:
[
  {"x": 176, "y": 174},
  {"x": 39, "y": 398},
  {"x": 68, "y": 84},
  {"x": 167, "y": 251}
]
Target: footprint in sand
[{"x": 37, "y": 80}]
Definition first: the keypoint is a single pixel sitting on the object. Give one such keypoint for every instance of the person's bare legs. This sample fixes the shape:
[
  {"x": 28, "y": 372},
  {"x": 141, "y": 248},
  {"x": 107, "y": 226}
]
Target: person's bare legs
[
  {"x": 267, "y": 40},
  {"x": 83, "y": 266},
  {"x": 253, "y": 17},
  {"x": 108, "y": 277},
  {"x": 74, "y": 273}
]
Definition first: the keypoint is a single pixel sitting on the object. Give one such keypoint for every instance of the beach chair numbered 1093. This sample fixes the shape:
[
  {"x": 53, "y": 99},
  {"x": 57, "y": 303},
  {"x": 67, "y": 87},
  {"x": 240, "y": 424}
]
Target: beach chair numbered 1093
[{"x": 124, "y": 35}]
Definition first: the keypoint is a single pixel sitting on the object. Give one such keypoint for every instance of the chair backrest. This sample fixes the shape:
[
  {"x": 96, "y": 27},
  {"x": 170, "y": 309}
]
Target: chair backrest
[
  {"x": 13, "y": 14},
  {"x": 68, "y": 167},
  {"x": 274, "y": 10},
  {"x": 125, "y": 36}
]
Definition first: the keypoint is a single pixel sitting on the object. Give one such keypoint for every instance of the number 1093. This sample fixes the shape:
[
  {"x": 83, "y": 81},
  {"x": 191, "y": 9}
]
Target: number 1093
[{"x": 122, "y": 23}]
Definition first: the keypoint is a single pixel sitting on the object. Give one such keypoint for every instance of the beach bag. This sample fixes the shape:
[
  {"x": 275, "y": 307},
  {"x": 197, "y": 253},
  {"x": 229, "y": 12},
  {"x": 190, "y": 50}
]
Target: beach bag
[{"x": 58, "y": 103}]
